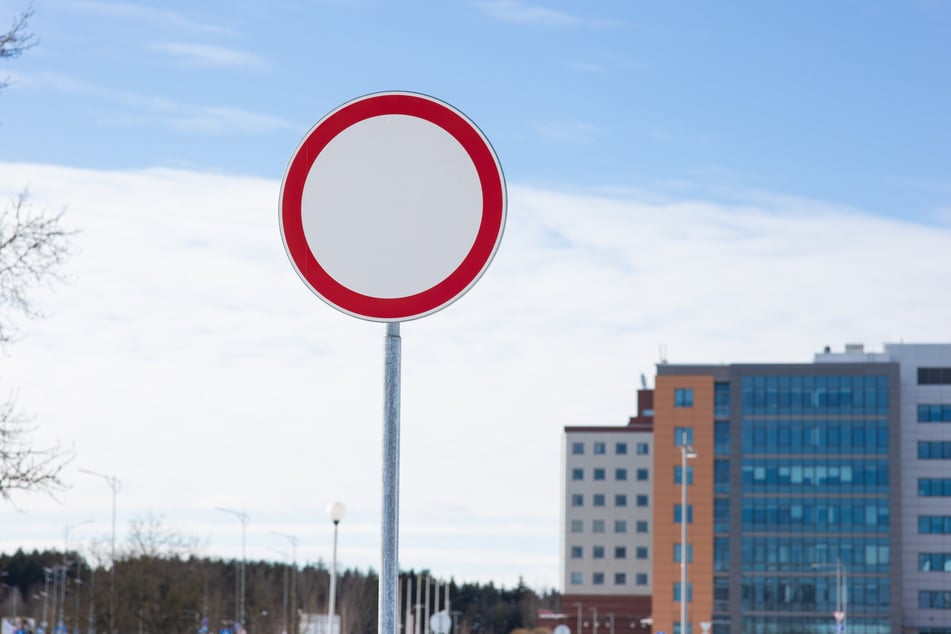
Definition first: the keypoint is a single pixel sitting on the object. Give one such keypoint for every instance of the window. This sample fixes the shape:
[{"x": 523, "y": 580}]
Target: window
[
  {"x": 599, "y": 474},
  {"x": 934, "y": 487},
  {"x": 643, "y": 475},
  {"x": 576, "y": 579},
  {"x": 641, "y": 579},
  {"x": 599, "y": 499},
  {"x": 642, "y": 500},
  {"x": 934, "y": 562},
  {"x": 934, "y": 376},
  {"x": 934, "y": 524},
  {"x": 643, "y": 449},
  {"x": 620, "y": 578},
  {"x": 599, "y": 448},
  {"x": 689, "y": 592},
  {"x": 677, "y": 514},
  {"x": 597, "y": 526},
  {"x": 683, "y": 436},
  {"x": 620, "y": 499},
  {"x": 934, "y": 450},
  {"x": 620, "y": 448},
  {"x": 934, "y": 413},
  {"x": 577, "y": 552},
  {"x": 597, "y": 578},
  {"x": 934, "y": 600},
  {"x": 640, "y": 552},
  {"x": 597, "y": 552},
  {"x": 689, "y": 553},
  {"x": 721, "y": 400},
  {"x": 620, "y": 526},
  {"x": 678, "y": 475},
  {"x": 577, "y": 474},
  {"x": 620, "y": 474},
  {"x": 620, "y": 552},
  {"x": 577, "y": 499},
  {"x": 577, "y": 526},
  {"x": 683, "y": 397},
  {"x": 577, "y": 448},
  {"x": 641, "y": 526}
]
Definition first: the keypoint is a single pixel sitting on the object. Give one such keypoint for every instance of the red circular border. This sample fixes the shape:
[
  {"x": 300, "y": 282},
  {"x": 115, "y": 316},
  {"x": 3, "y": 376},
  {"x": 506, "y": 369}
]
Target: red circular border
[{"x": 487, "y": 237}]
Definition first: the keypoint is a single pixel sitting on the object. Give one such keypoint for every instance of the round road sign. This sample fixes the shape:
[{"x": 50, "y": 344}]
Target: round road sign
[{"x": 392, "y": 206}]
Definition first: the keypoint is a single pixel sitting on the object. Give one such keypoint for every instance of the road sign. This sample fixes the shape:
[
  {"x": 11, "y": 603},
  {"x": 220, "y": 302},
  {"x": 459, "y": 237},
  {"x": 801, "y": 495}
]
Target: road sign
[
  {"x": 562, "y": 629},
  {"x": 440, "y": 622},
  {"x": 392, "y": 206}
]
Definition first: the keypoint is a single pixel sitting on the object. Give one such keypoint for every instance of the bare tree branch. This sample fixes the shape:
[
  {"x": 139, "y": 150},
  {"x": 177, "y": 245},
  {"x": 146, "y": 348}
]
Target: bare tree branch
[
  {"x": 17, "y": 39},
  {"x": 22, "y": 466}
]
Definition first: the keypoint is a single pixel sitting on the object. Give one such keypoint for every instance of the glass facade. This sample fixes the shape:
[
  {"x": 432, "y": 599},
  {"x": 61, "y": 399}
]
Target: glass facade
[{"x": 815, "y": 481}]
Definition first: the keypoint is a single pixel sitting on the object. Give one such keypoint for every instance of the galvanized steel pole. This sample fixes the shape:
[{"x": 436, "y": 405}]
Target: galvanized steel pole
[{"x": 389, "y": 570}]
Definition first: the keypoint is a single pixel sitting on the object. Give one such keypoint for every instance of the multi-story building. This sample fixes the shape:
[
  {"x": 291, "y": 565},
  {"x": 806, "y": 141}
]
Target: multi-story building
[
  {"x": 817, "y": 493},
  {"x": 606, "y": 539}
]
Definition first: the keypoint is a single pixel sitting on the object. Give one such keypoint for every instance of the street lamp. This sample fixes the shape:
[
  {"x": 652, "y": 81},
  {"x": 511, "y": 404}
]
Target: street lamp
[
  {"x": 336, "y": 511},
  {"x": 239, "y": 579},
  {"x": 115, "y": 485},
  {"x": 293, "y": 540},
  {"x": 841, "y": 594},
  {"x": 686, "y": 451}
]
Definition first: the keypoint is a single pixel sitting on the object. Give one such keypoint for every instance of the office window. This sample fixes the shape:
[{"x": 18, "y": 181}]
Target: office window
[
  {"x": 620, "y": 499},
  {"x": 597, "y": 526},
  {"x": 577, "y": 552},
  {"x": 678, "y": 513},
  {"x": 677, "y": 553},
  {"x": 577, "y": 474},
  {"x": 934, "y": 376},
  {"x": 620, "y": 579},
  {"x": 620, "y": 526},
  {"x": 643, "y": 449},
  {"x": 597, "y": 578},
  {"x": 640, "y": 579},
  {"x": 577, "y": 448},
  {"x": 934, "y": 562},
  {"x": 641, "y": 526},
  {"x": 577, "y": 526},
  {"x": 689, "y": 592},
  {"x": 934, "y": 450},
  {"x": 934, "y": 487},
  {"x": 678, "y": 474},
  {"x": 683, "y": 397},
  {"x": 643, "y": 475},
  {"x": 576, "y": 579},
  {"x": 599, "y": 448},
  {"x": 599, "y": 474},
  {"x": 640, "y": 552},
  {"x": 721, "y": 400},
  {"x": 934, "y": 413},
  {"x": 598, "y": 499},
  {"x": 620, "y": 448},
  {"x": 577, "y": 499},
  {"x": 934, "y": 600},
  {"x": 620, "y": 552},
  {"x": 642, "y": 500},
  {"x": 683, "y": 436},
  {"x": 597, "y": 552},
  {"x": 621, "y": 474},
  {"x": 934, "y": 524}
]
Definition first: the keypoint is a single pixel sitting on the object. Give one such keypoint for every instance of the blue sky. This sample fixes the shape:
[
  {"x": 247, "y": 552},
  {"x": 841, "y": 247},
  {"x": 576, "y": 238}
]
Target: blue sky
[{"x": 732, "y": 181}]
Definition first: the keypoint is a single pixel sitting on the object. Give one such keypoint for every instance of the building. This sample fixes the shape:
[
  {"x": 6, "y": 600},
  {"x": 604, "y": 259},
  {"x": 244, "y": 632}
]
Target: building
[
  {"x": 607, "y": 513},
  {"x": 818, "y": 491}
]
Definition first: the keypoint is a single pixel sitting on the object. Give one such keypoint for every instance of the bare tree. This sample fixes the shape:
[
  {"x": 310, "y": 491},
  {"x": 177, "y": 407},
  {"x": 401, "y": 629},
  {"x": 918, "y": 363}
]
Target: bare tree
[{"x": 33, "y": 246}]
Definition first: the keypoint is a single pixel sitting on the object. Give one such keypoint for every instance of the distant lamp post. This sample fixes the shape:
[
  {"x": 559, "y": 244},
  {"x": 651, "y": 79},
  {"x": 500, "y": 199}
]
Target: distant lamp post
[
  {"x": 240, "y": 579},
  {"x": 841, "y": 594},
  {"x": 336, "y": 511},
  {"x": 115, "y": 485},
  {"x": 293, "y": 541},
  {"x": 686, "y": 451}
]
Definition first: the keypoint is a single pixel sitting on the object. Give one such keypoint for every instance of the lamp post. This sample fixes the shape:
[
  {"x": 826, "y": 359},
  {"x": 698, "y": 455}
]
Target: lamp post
[
  {"x": 686, "y": 452},
  {"x": 841, "y": 594},
  {"x": 115, "y": 485},
  {"x": 240, "y": 578},
  {"x": 578, "y": 605},
  {"x": 336, "y": 511},
  {"x": 66, "y": 531},
  {"x": 293, "y": 541}
]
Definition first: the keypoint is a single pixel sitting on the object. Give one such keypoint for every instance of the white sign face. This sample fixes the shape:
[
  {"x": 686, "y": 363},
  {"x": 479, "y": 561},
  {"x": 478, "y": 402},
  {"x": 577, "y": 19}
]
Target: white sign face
[
  {"x": 393, "y": 206},
  {"x": 562, "y": 629}
]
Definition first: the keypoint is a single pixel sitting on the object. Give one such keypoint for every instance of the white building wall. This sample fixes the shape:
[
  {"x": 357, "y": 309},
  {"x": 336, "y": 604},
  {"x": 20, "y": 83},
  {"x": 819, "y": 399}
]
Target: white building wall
[{"x": 586, "y": 516}]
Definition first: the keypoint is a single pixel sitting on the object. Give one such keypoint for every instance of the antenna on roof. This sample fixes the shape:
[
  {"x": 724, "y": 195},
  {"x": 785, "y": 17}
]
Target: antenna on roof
[
  {"x": 643, "y": 381},
  {"x": 663, "y": 354}
]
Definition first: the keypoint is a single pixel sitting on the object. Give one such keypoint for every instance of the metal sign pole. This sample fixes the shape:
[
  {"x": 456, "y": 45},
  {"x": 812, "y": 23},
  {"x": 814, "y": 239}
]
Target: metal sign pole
[{"x": 389, "y": 570}]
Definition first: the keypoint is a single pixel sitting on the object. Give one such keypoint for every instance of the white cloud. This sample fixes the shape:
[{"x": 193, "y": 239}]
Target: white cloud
[
  {"x": 209, "y": 55},
  {"x": 147, "y": 14},
  {"x": 518, "y": 12},
  {"x": 188, "y": 359}
]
